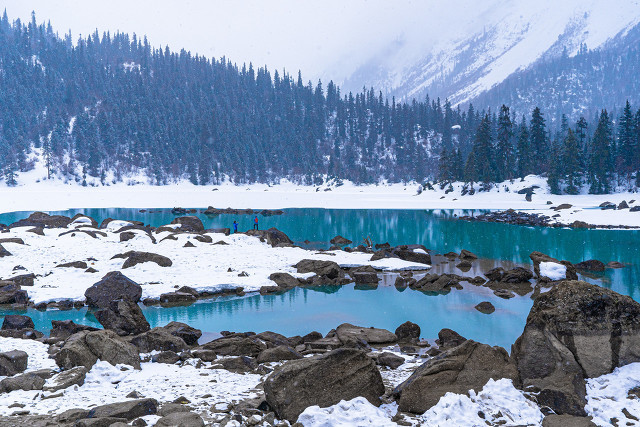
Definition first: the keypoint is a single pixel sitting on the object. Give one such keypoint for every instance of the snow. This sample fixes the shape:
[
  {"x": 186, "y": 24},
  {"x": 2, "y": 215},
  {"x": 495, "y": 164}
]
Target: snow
[
  {"x": 553, "y": 270},
  {"x": 607, "y": 395},
  {"x": 203, "y": 267},
  {"x": 37, "y": 351},
  {"x": 496, "y": 397},
  {"x": 355, "y": 412}
]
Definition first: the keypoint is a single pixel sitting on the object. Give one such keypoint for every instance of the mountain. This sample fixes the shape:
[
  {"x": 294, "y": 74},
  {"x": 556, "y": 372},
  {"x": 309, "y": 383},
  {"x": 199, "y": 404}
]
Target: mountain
[{"x": 492, "y": 42}]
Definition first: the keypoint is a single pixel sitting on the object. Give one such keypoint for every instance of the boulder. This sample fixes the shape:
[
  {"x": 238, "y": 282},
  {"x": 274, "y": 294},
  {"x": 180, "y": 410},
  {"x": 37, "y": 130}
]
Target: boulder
[
  {"x": 75, "y": 264},
  {"x": 177, "y": 298},
  {"x": 181, "y": 419},
  {"x": 408, "y": 332},
  {"x": 273, "y": 339},
  {"x": 127, "y": 235},
  {"x": 169, "y": 357},
  {"x": 575, "y": 331},
  {"x": 562, "y": 207},
  {"x": 17, "y": 321},
  {"x": 4, "y": 252},
  {"x": 43, "y": 220},
  {"x": 614, "y": 264},
  {"x": 10, "y": 293},
  {"x": 136, "y": 257},
  {"x": 123, "y": 317},
  {"x": 128, "y": 410},
  {"x": 182, "y": 330},
  {"x": 236, "y": 346},
  {"x": 240, "y": 364},
  {"x": 546, "y": 262},
  {"x": 464, "y": 265},
  {"x": 448, "y": 338},
  {"x": 340, "y": 241},
  {"x": 349, "y": 335},
  {"x": 158, "y": 339},
  {"x": 66, "y": 379},
  {"x": 285, "y": 281},
  {"x": 325, "y": 380},
  {"x": 623, "y": 205},
  {"x": 485, "y": 307},
  {"x": 272, "y": 236},
  {"x": 390, "y": 360},
  {"x": 23, "y": 279},
  {"x": 555, "y": 420},
  {"x": 85, "y": 348},
  {"x": 517, "y": 275},
  {"x": 16, "y": 240},
  {"x": 13, "y": 362},
  {"x": 113, "y": 286},
  {"x": 189, "y": 224},
  {"x": 28, "y": 381},
  {"x": 365, "y": 278},
  {"x": 328, "y": 269},
  {"x": 466, "y": 367},
  {"x": 412, "y": 253},
  {"x": 277, "y": 354},
  {"x": 63, "y": 329},
  {"x": 468, "y": 255},
  {"x": 591, "y": 265}
]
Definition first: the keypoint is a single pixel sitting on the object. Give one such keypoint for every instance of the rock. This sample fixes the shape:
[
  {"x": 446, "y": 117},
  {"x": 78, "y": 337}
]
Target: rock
[
  {"x": 17, "y": 321},
  {"x": 575, "y": 331},
  {"x": 391, "y": 360},
  {"x": 74, "y": 264},
  {"x": 66, "y": 379},
  {"x": 340, "y": 241},
  {"x": 464, "y": 265},
  {"x": 182, "y": 330},
  {"x": 63, "y": 329},
  {"x": 169, "y": 357},
  {"x": 614, "y": 264},
  {"x": 485, "y": 307},
  {"x": 325, "y": 380},
  {"x": 85, "y": 348},
  {"x": 158, "y": 339},
  {"x": 465, "y": 254},
  {"x": 127, "y": 235},
  {"x": 539, "y": 257},
  {"x": 235, "y": 346},
  {"x": 607, "y": 205},
  {"x": 448, "y": 338},
  {"x": 4, "y": 252},
  {"x": 277, "y": 354},
  {"x": 136, "y": 257},
  {"x": 128, "y": 410},
  {"x": 623, "y": 205},
  {"x": 23, "y": 279},
  {"x": 28, "y": 381},
  {"x": 504, "y": 293},
  {"x": 16, "y": 240},
  {"x": 349, "y": 334},
  {"x": 181, "y": 419},
  {"x": 171, "y": 408},
  {"x": 177, "y": 298},
  {"x": 43, "y": 220},
  {"x": 91, "y": 270},
  {"x": 580, "y": 224},
  {"x": 328, "y": 269},
  {"x": 188, "y": 245},
  {"x": 100, "y": 422},
  {"x": 365, "y": 278},
  {"x": 285, "y": 281},
  {"x": 240, "y": 364},
  {"x": 189, "y": 224},
  {"x": 635, "y": 209},
  {"x": 13, "y": 362},
  {"x": 272, "y": 236},
  {"x": 10, "y": 293},
  {"x": 408, "y": 332},
  {"x": 554, "y": 420},
  {"x": 36, "y": 230},
  {"x": 71, "y": 415},
  {"x": 517, "y": 275},
  {"x": 466, "y": 367},
  {"x": 113, "y": 286},
  {"x": 123, "y": 317},
  {"x": 438, "y": 284},
  {"x": 562, "y": 206},
  {"x": 591, "y": 265},
  {"x": 408, "y": 253}
]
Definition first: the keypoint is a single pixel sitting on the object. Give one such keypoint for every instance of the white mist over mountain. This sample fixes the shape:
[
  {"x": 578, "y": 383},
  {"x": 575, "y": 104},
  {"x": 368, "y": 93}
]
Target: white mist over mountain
[{"x": 454, "y": 49}]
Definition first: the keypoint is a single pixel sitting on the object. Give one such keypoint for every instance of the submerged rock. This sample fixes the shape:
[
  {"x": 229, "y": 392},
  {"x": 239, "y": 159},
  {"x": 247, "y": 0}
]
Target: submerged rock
[
  {"x": 485, "y": 307},
  {"x": 591, "y": 265}
]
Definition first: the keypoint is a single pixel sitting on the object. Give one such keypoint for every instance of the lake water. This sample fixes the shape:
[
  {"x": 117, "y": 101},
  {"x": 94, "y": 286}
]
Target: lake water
[{"x": 302, "y": 310}]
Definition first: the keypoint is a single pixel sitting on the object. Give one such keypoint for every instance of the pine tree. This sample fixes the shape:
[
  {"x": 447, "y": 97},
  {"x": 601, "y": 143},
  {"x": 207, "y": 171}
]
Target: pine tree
[
  {"x": 444, "y": 166},
  {"x": 539, "y": 142},
  {"x": 504, "y": 146},
  {"x": 601, "y": 160},
  {"x": 553, "y": 179},
  {"x": 483, "y": 151},
  {"x": 524, "y": 151},
  {"x": 626, "y": 141},
  {"x": 570, "y": 165}
]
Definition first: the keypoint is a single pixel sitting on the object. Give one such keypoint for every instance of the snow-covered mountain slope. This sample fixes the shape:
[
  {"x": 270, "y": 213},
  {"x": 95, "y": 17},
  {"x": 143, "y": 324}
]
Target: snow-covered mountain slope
[{"x": 490, "y": 42}]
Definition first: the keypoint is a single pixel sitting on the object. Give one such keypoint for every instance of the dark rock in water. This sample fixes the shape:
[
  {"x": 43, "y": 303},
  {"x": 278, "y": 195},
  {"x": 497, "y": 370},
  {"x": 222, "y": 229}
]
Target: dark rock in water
[
  {"x": 277, "y": 354},
  {"x": 177, "y": 298},
  {"x": 349, "y": 335},
  {"x": 340, "y": 241},
  {"x": 17, "y": 321},
  {"x": 464, "y": 265},
  {"x": 485, "y": 307},
  {"x": 402, "y": 282},
  {"x": 123, "y": 317},
  {"x": 554, "y": 420},
  {"x": 465, "y": 367},
  {"x": 135, "y": 257},
  {"x": 591, "y": 265},
  {"x": 272, "y": 236},
  {"x": 614, "y": 264},
  {"x": 284, "y": 281},
  {"x": 13, "y": 362},
  {"x": 575, "y": 331},
  {"x": 43, "y": 220},
  {"x": 511, "y": 216},
  {"x": 438, "y": 284},
  {"x": 539, "y": 257},
  {"x": 128, "y": 410},
  {"x": 448, "y": 338},
  {"x": 504, "y": 293},
  {"x": 63, "y": 329},
  {"x": 364, "y": 277},
  {"x": 328, "y": 269},
  {"x": 28, "y": 381},
  {"x": 158, "y": 339},
  {"x": 408, "y": 332},
  {"x": 517, "y": 275},
  {"x": 325, "y": 380},
  {"x": 390, "y": 360},
  {"x": 189, "y": 224},
  {"x": 85, "y": 348},
  {"x": 74, "y": 264},
  {"x": 451, "y": 255},
  {"x": 412, "y": 253},
  {"x": 4, "y": 252},
  {"x": 127, "y": 235},
  {"x": 73, "y": 376},
  {"x": 495, "y": 274},
  {"x": 113, "y": 286},
  {"x": 465, "y": 254},
  {"x": 182, "y": 330}
]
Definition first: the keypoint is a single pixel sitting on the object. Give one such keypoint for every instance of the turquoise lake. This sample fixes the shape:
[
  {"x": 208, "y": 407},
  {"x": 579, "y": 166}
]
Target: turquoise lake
[{"x": 302, "y": 310}]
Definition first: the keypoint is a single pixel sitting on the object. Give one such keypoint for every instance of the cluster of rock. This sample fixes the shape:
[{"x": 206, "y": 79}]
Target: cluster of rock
[
  {"x": 511, "y": 216},
  {"x": 230, "y": 211}
]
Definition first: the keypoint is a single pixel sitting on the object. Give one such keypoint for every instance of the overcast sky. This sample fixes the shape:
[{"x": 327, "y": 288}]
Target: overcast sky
[{"x": 318, "y": 37}]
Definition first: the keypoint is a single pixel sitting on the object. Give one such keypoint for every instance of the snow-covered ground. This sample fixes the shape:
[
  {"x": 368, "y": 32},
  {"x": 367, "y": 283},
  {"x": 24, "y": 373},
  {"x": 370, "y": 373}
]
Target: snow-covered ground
[
  {"x": 203, "y": 267},
  {"x": 35, "y": 193}
]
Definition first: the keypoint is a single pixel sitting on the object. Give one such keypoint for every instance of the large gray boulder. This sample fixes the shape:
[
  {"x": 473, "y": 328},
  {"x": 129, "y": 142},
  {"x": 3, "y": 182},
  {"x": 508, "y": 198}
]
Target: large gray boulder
[
  {"x": 328, "y": 269},
  {"x": 13, "y": 362},
  {"x": 408, "y": 332},
  {"x": 128, "y": 410},
  {"x": 284, "y": 281},
  {"x": 349, "y": 335},
  {"x": 236, "y": 346},
  {"x": 342, "y": 374},
  {"x": 66, "y": 379},
  {"x": 181, "y": 419},
  {"x": 136, "y": 257},
  {"x": 182, "y": 330},
  {"x": 123, "y": 317},
  {"x": 17, "y": 321},
  {"x": 575, "y": 331},
  {"x": 42, "y": 220},
  {"x": 85, "y": 348},
  {"x": 159, "y": 339},
  {"x": 277, "y": 354},
  {"x": 113, "y": 286},
  {"x": 272, "y": 236},
  {"x": 63, "y": 329},
  {"x": 189, "y": 224},
  {"x": 28, "y": 381},
  {"x": 466, "y": 367}
]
